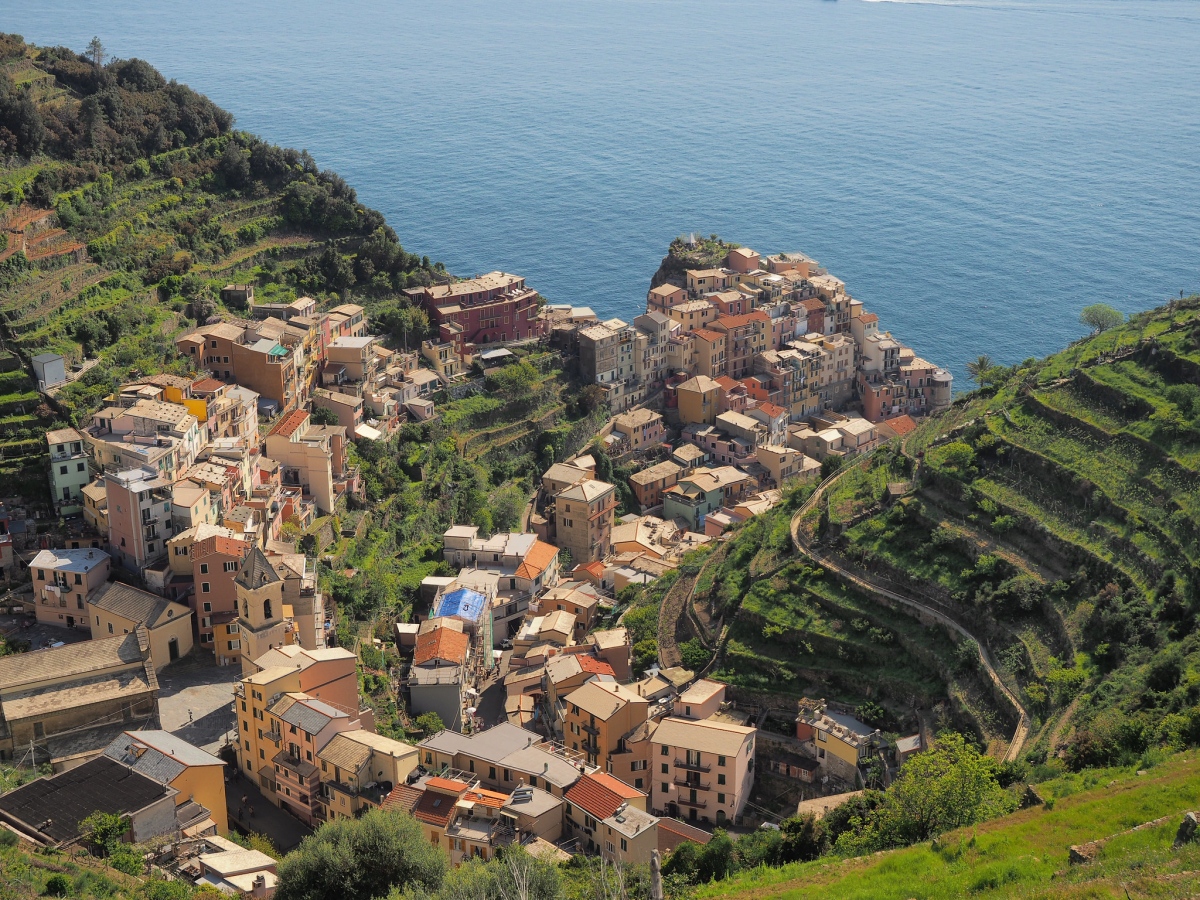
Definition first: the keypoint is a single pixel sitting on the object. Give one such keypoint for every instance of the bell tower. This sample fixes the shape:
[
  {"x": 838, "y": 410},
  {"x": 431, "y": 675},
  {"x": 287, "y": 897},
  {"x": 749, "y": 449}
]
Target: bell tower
[{"x": 260, "y": 608}]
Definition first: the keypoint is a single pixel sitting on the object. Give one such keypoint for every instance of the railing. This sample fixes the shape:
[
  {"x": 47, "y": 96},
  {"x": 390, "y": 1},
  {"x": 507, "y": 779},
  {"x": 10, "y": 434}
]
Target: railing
[
  {"x": 273, "y": 736},
  {"x": 694, "y": 785},
  {"x": 591, "y": 729},
  {"x": 692, "y": 767},
  {"x": 696, "y": 804}
]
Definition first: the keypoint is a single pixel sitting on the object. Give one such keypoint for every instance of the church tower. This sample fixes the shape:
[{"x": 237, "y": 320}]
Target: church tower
[{"x": 260, "y": 608}]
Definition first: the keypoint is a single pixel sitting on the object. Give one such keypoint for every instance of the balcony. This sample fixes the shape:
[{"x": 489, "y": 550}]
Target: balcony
[
  {"x": 692, "y": 767},
  {"x": 694, "y": 785},
  {"x": 273, "y": 736},
  {"x": 591, "y": 729},
  {"x": 694, "y": 804}
]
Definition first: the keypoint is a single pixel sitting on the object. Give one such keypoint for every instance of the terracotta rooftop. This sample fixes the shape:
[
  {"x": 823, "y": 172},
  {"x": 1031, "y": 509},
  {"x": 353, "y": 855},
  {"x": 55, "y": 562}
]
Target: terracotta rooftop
[
  {"x": 868, "y": 318},
  {"x": 744, "y": 319},
  {"x": 813, "y": 304},
  {"x": 441, "y": 643},
  {"x": 708, "y": 335},
  {"x": 403, "y": 798},
  {"x": 772, "y": 410},
  {"x": 595, "y": 666},
  {"x": 594, "y": 796},
  {"x": 289, "y": 424},
  {"x": 493, "y": 799},
  {"x": 902, "y": 425},
  {"x": 617, "y": 786},
  {"x": 436, "y": 809},
  {"x": 540, "y": 556}
]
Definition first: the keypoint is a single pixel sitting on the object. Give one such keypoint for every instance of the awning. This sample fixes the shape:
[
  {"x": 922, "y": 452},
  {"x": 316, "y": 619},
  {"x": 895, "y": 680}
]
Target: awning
[{"x": 367, "y": 432}]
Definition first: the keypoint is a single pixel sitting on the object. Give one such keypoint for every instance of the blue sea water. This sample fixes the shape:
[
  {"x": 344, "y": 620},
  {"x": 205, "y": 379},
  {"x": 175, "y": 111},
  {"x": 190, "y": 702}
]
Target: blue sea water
[{"x": 975, "y": 171}]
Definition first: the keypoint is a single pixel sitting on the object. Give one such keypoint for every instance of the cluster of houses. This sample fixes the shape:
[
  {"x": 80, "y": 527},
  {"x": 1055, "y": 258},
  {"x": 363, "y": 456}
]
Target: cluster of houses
[
  {"x": 782, "y": 326},
  {"x": 765, "y": 367}
]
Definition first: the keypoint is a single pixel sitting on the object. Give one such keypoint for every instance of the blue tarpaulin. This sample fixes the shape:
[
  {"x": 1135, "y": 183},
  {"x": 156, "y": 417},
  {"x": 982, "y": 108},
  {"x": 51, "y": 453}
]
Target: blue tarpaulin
[{"x": 464, "y": 603}]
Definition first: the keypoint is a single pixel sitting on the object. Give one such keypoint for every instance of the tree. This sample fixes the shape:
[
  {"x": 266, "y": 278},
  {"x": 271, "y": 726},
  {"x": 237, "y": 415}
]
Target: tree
[
  {"x": 430, "y": 723},
  {"x": 323, "y": 416},
  {"x": 95, "y": 52},
  {"x": 1100, "y": 317},
  {"x": 512, "y": 874},
  {"x": 361, "y": 859},
  {"x": 508, "y": 504},
  {"x": 979, "y": 368},
  {"x": 948, "y": 787},
  {"x": 804, "y": 838}
]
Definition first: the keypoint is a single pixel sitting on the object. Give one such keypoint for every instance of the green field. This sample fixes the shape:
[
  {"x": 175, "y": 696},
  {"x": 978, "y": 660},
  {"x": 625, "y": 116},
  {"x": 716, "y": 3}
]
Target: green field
[{"x": 1023, "y": 855}]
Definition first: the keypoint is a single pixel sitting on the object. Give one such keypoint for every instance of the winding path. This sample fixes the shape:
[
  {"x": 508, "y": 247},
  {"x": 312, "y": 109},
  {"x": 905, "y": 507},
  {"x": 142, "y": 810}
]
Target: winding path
[{"x": 801, "y": 543}]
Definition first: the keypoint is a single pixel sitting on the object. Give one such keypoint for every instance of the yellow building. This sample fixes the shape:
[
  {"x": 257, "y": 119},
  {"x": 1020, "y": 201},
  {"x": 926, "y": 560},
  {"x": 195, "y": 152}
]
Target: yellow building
[
  {"x": 598, "y": 716},
  {"x": 358, "y": 769},
  {"x": 699, "y": 400},
  {"x": 199, "y": 777},
  {"x": 117, "y": 608}
]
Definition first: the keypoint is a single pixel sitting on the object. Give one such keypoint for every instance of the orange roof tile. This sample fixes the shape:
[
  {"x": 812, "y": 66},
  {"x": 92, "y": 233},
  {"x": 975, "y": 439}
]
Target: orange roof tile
[
  {"x": 708, "y": 335},
  {"x": 868, "y": 318},
  {"x": 812, "y": 304},
  {"x": 595, "y": 666},
  {"x": 726, "y": 382},
  {"x": 902, "y": 425},
  {"x": 594, "y": 797},
  {"x": 595, "y": 568},
  {"x": 540, "y": 556},
  {"x": 289, "y": 424},
  {"x": 441, "y": 643},
  {"x": 493, "y": 799},
  {"x": 771, "y": 409},
  {"x": 744, "y": 319},
  {"x": 617, "y": 786},
  {"x": 435, "y": 809},
  {"x": 450, "y": 785},
  {"x": 402, "y": 797},
  {"x": 207, "y": 384}
]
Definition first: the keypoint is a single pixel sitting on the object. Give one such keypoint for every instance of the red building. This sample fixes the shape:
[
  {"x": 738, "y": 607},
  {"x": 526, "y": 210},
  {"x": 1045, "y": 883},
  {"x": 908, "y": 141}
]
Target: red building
[{"x": 493, "y": 307}]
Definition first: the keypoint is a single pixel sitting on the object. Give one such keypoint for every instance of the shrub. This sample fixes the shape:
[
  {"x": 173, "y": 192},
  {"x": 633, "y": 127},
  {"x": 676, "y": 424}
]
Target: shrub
[{"x": 57, "y": 885}]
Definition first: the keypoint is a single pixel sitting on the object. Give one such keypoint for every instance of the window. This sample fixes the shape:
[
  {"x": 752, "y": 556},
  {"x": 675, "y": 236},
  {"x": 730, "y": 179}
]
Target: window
[
  {"x": 638, "y": 765},
  {"x": 110, "y": 628},
  {"x": 507, "y": 776},
  {"x": 79, "y": 467},
  {"x": 720, "y": 778},
  {"x": 821, "y": 736},
  {"x": 492, "y": 772},
  {"x": 41, "y": 574},
  {"x": 720, "y": 760},
  {"x": 203, "y": 568},
  {"x": 231, "y": 567},
  {"x": 665, "y": 769},
  {"x": 637, "y": 783},
  {"x": 78, "y": 578},
  {"x": 664, "y": 750},
  {"x": 533, "y": 781},
  {"x": 820, "y": 753},
  {"x": 624, "y": 846},
  {"x": 62, "y": 470},
  {"x": 207, "y": 606},
  {"x": 720, "y": 798},
  {"x": 204, "y": 587},
  {"x": 609, "y": 845},
  {"x": 666, "y": 787}
]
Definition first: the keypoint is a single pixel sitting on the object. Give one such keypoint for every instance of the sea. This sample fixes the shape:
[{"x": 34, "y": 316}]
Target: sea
[{"x": 976, "y": 172}]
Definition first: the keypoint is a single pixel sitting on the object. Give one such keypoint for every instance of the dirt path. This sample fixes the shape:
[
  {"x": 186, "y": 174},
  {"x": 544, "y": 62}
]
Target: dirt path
[{"x": 800, "y": 541}]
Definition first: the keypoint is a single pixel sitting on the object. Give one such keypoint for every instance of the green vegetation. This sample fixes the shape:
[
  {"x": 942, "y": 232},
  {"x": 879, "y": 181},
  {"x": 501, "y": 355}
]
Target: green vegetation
[
  {"x": 1057, "y": 515},
  {"x": 361, "y": 858},
  {"x": 1023, "y": 855}
]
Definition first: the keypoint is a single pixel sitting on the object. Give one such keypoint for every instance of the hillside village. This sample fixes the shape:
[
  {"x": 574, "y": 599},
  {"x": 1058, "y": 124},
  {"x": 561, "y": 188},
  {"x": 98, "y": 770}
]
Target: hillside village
[{"x": 184, "y": 496}]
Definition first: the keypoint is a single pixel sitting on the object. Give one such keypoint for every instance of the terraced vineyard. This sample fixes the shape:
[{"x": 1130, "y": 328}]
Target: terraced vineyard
[{"x": 1060, "y": 513}]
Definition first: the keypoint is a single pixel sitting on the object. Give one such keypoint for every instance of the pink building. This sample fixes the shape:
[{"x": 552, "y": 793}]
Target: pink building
[{"x": 702, "y": 770}]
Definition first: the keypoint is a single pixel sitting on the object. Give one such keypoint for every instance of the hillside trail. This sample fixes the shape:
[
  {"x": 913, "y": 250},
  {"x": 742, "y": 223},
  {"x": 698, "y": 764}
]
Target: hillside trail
[{"x": 801, "y": 543}]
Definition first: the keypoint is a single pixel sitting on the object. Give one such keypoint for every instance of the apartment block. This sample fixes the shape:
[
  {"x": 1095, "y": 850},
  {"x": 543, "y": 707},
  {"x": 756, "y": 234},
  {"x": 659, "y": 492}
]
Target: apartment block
[
  {"x": 584, "y": 520},
  {"x": 69, "y": 470},
  {"x": 139, "y": 517},
  {"x": 493, "y": 307},
  {"x": 702, "y": 770},
  {"x": 62, "y": 582}
]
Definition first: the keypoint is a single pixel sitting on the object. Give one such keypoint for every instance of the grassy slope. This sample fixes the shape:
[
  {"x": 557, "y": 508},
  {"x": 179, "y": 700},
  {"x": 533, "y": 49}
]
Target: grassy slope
[
  {"x": 1024, "y": 854},
  {"x": 1073, "y": 535}
]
